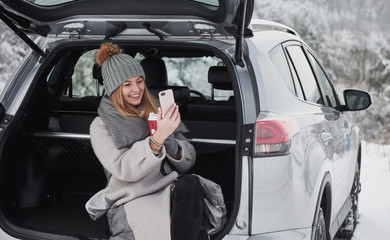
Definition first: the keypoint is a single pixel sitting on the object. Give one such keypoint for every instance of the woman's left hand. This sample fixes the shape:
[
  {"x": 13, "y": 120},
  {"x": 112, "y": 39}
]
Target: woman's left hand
[{"x": 171, "y": 145}]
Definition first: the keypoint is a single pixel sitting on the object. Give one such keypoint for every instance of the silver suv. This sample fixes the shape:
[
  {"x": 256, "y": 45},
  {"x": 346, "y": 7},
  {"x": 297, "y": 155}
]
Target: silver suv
[{"x": 263, "y": 116}]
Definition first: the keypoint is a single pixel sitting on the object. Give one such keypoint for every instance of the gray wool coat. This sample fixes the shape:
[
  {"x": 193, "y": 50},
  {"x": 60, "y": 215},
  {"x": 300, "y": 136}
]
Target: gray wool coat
[{"x": 136, "y": 180}]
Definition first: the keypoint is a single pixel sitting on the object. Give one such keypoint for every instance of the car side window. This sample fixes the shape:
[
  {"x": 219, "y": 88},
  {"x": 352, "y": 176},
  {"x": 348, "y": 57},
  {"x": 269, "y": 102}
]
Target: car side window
[
  {"x": 83, "y": 83},
  {"x": 279, "y": 60},
  {"x": 324, "y": 82},
  {"x": 305, "y": 74}
]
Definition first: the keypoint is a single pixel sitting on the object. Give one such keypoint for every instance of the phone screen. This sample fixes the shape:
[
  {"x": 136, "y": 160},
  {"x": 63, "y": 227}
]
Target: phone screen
[{"x": 166, "y": 100}]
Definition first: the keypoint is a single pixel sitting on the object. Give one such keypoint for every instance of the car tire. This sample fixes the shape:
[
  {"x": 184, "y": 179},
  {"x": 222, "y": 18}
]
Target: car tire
[
  {"x": 348, "y": 227},
  {"x": 320, "y": 232}
]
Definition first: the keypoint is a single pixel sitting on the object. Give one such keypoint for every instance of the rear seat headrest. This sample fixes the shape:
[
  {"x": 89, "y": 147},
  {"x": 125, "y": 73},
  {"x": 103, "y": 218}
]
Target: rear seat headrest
[
  {"x": 155, "y": 72},
  {"x": 97, "y": 73},
  {"x": 219, "y": 77},
  {"x": 181, "y": 93}
]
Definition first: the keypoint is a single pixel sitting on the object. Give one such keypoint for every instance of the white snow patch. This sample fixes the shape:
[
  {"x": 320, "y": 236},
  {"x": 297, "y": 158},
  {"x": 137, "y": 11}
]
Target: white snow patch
[{"x": 374, "y": 204}]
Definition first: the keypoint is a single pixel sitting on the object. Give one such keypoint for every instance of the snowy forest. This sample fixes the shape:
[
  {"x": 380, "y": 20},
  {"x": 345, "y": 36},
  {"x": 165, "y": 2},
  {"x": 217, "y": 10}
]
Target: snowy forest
[{"x": 351, "y": 37}]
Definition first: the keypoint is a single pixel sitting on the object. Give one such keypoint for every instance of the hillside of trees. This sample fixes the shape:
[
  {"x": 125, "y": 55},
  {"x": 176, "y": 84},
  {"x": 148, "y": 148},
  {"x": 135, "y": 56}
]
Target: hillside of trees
[{"x": 352, "y": 39}]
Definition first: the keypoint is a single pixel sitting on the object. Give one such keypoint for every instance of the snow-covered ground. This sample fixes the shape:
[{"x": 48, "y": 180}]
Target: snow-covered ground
[{"x": 374, "y": 204}]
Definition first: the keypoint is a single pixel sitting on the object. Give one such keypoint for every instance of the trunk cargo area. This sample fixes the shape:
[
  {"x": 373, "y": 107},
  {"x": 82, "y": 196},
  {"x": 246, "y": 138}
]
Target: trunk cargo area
[{"x": 49, "y": 169}]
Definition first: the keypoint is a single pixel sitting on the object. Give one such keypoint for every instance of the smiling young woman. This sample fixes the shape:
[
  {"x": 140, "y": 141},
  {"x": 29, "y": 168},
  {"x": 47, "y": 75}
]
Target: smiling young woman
[{"x": 144, "y": 169}]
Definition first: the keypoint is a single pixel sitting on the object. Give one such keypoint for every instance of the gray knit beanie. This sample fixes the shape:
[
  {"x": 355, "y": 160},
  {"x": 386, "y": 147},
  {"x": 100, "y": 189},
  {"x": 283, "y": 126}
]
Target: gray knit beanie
[{"x": 116, "y": 67}]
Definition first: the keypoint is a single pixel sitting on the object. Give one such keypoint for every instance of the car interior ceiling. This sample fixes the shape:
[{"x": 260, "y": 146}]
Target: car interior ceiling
[{"x": 49, "y": 182}]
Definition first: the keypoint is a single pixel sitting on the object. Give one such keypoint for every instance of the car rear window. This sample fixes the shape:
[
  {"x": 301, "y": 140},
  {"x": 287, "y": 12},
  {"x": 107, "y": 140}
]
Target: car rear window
[
  {"x": 193, "y": 72},
  {"x": 181, "y": 71}
]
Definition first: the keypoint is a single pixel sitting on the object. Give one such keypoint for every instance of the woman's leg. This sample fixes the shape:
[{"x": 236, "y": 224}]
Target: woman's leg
[{"x": 187, "y": 209}]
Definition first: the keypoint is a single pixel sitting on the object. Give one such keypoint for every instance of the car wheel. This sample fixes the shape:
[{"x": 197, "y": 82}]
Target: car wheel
[
  {"x": 348, "y": 227},
  {"x": 320, "y": 229}
]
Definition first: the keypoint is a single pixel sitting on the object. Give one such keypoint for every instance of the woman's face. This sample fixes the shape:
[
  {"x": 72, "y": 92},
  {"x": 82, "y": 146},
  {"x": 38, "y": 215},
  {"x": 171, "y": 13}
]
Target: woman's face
[{"x": 133, "y": 90}]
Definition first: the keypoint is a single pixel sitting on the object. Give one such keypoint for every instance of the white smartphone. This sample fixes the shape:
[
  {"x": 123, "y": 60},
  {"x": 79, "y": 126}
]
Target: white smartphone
[{"x": 166, "y": 100}]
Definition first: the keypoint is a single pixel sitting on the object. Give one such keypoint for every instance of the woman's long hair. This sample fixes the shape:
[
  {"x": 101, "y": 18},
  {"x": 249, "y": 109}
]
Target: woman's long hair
[{"x": 148, "y": 104}]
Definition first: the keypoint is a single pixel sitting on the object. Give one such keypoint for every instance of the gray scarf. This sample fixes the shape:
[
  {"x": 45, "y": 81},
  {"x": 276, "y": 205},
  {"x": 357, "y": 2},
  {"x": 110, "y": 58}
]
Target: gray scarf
[{"x": 127, "y": 130}]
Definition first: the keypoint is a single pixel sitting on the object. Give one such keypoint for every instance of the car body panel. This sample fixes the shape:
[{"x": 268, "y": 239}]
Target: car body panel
[
  {"x": 216, "y": 12},
  {"x": 285, "y": 179},
  {"x": 240, "y": 228},
  {"x": 277, "y": 197},
  {"x": 294, "y": 181}
]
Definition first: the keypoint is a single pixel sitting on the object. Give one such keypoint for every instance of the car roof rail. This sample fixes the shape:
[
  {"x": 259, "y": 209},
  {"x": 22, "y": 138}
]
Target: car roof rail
[{"x": 258, "y": 25}]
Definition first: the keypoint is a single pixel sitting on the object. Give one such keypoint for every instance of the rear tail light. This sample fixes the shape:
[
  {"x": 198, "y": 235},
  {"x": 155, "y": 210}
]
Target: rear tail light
[{"x": 273, "y": 134}]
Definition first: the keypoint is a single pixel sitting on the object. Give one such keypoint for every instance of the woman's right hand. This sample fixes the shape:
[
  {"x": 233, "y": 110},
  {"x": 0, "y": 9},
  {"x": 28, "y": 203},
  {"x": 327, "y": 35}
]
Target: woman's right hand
[{"x": 167, "y": 125}]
